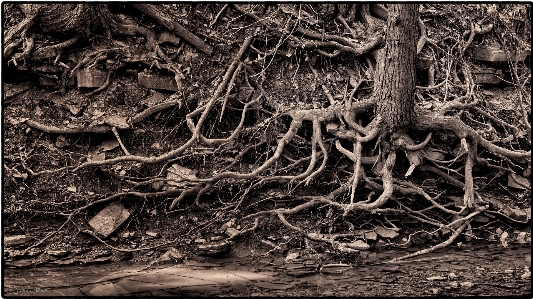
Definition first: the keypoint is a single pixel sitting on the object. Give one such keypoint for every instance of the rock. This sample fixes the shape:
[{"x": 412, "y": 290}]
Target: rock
[
  {"x": 480, "y": 219},
  {"x": 499, "y": 231},
  {"x": 208, "y": 249},
  {"x": 268, "y": 243},
  {"x": 445, "y": 232},
  {"x": 200, "y": 241},
  {"x": 516, "y": 214},
  {"x": 174, "y": 253},
  {"x": 17, "y": 240},
  {"x": 103, "y": 253},
  {"x": 358, "y": 245},
  {"x": 153, "y": 234},
  {"x": 171, "y": 256},
  {"x": 467, "y": 284},
  {"x": 227, "y": 224},
  {"x": 295, "y": 242},
  {"x": 386, "y": 233},
  {"x": 91, "y": 78},
  {"x": 34, "y": 252},
  {"x": 514, "y": 182},
  {"x": 521, "y": 238},
  {"x": 291, "y": 257},
  {"x": 154, "y": 81},
  {"x": 58, "y": 253},
  {"x": 109, "y": 219},
  {"x": 216, "y": 238},
  {"x": 380, "y": 244},
  {"x": 503, "y": 238},
  {"x": 166, "y": 37},
  {"x": 345, "y": 249},
  {"x": 231, "y": 232},
  {"x": 432, "y": 278},
  {"x": 272, "y": 238},
  {"x": 79, "y": 251},
  {"x": 371, "y": 236}
]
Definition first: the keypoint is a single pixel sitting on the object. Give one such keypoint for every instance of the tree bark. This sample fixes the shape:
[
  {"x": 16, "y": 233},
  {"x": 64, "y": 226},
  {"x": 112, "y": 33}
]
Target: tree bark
[{"x": 395, "y": 80}]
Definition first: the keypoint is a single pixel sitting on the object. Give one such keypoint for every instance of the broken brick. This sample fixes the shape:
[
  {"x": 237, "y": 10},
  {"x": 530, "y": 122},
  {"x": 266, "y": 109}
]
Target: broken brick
[
  {"x": 109, "y": 219},
  {"x": 496, "y": 54},
  {"x": 154, "y": 81},
  {"x": 91, "y": 78}
]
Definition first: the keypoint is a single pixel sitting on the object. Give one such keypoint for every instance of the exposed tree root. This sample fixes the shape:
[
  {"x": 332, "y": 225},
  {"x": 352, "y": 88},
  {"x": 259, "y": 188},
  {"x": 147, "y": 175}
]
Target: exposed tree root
[{"x": 338, "y": 132}]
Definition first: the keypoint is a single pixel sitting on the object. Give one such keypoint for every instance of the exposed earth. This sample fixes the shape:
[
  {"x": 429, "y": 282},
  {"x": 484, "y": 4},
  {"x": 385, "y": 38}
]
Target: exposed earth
[{"x": 492, "y": 258}]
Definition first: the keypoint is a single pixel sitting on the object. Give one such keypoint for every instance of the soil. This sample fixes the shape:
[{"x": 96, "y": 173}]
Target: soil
[{"x": 483, "y": 263}]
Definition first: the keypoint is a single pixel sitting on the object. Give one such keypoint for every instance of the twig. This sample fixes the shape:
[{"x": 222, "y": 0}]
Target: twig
[
  {"x": 218, "y": 15},
  {"x": 114, "y": 129}
]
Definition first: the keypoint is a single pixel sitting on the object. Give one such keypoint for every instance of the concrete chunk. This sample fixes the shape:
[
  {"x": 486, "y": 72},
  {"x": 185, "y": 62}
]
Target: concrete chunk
[
  {"x": 154, "y": 81},
  {"x": 91, "y": 78},
  {"x": 109, "y": 219}
]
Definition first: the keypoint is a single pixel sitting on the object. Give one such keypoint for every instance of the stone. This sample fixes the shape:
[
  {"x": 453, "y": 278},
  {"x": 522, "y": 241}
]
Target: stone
[
  {"x": 214, "y": 248},
  {"x": 291, "y": 257},
  {"x": 268, "y": 243},
  {"x": 17, "y": 240},
  {"x": 516, "y": 214},
  {"x": 503, "y": 239},
  {"x": 58, "y": 253},
  {"x": 380, "y": 244},
  {"x": 514, "y": 182},
  {"x": 386, "y": 233},
  {"x": 227, "y": 224},
  {"x": 499, "y": 231},
  {"x": 295, "y": 242},
  {"x": 91, "y": 78},
  {"x": 200, "y": 241},
  {"x": 154, "y": 81},
  {"x": 171, "y": 256},
  {"x": 521, "y": 238},
  {"x": 103, "y": 253},
  {"x": 109, "y": 219},
  {"x": 345, "y": 249},
  {"x": 34, "y": 252},
  {"x": 216, "y": 238},
  {"x": 153, "y": 234},
  {"x": 497, "y": 54},
  {"x": 358, "y": 245},
  {"x": 231, "y": 232},
  {"x": 371, "y": 236},
  {"x": 445, "y": 232},
  {"x": 166, "y": 37},
  {"x": 79, "y": 251},
  {"x": 480, "y": 219}
]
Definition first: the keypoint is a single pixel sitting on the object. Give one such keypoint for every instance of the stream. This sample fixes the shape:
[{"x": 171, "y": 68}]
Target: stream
[{"x": 482, "y": 270}]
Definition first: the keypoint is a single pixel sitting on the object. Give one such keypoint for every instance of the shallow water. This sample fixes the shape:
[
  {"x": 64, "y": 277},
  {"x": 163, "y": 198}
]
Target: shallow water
[{"x": 487, "y": 270}]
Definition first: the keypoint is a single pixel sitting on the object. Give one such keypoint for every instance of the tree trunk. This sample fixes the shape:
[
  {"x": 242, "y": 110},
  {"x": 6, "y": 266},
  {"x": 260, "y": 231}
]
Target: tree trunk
[{"x": 396, "y": 73}]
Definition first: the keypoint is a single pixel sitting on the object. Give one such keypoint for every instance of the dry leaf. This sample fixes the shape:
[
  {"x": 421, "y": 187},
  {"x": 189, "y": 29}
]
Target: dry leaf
[{"x": 179, "y": 174}]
